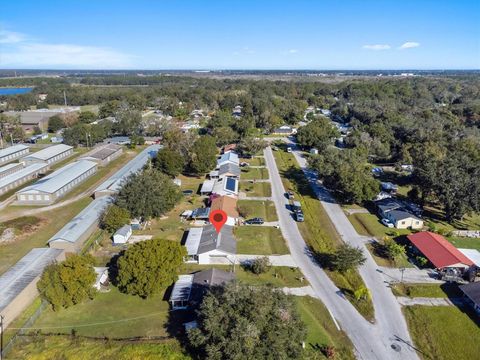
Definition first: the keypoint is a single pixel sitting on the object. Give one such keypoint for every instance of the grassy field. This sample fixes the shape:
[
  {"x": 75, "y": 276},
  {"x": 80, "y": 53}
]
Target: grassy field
[
  {"x": 443, "y": 332},
  {"x": 370, "y": 225},
  {"x": 318, "y": 231},
  {"x": 378, "y": 255},
  {"x": 257, "y": 208},
  {"x": 467, "y": 243},
  {"x": 260, "y": 189},
  {"x": 255, "y": 161},
  {"x": 427, "y": 290},
  {"x": 111, "y": 314},
  {"x": 66, "y": 347},
  {"x": 254, "y": 173},
  {"x": 260, "y": 240},
  {"x": 51, "y": 222},
  {"x": 321, "y": 328}
]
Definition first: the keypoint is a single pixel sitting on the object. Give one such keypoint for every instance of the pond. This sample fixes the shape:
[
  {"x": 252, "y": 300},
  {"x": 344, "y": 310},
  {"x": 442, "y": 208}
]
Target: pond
[{"x": 15, "y": 91}]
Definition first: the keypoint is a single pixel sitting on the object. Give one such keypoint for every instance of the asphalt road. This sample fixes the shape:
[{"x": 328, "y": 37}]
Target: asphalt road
[{"x": 388, "y": 338}]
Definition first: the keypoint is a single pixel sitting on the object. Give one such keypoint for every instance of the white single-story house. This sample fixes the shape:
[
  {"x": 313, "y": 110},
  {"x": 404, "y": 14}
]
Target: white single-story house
[
  {"x": 122, "y": 235},
  {"x": 226, "y": 186},
  {"x": 204, "y": 243},
  {"x": 404, "y": 220}
]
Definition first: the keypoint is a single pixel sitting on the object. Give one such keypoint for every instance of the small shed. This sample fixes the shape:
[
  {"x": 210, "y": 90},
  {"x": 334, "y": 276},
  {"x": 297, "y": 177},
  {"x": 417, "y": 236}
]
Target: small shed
[
  {"x": 207, "y": 187},
  {"x": 314, "y": 151},
  {"x": 122, "y": 235},
  {"x": 101, "y": 282}
]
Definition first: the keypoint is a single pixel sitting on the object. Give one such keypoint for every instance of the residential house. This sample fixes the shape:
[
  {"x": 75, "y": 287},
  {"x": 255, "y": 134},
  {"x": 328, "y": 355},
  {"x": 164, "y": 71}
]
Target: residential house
[
  {"x": 228, "y": 157},
  {"x": 229, "y": 147},
  {"x": 284, "y": 130},
  {"x": 229, "y": 170},
  {"x": 397, "y": 213},
  {"x": 472, "y": 294},
  {"x": 190, "y": 289},
  {"x": 200, "y": 214},
  {"x": 226, "y": 186},
  {"x": 122, "y": 235},
  {"x": 205, "y": 244},
  {"x": 227, "y": 204},
  {"x": 441, "y": 253}
]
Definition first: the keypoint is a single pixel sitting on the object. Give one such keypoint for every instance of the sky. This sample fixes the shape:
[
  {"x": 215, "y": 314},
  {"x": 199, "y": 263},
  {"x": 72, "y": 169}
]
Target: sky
[{"x": 247, "y": 34}]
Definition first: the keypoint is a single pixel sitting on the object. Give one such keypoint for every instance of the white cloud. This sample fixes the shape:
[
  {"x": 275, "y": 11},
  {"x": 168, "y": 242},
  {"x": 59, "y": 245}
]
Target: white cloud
[
  {"x": 292, "y": 51},
  {"x": 64, "y": 56},
  {"x": 409, "y": 45},
  {"x": 10, "y": 37},
  {"x": 377, "y": 47}
]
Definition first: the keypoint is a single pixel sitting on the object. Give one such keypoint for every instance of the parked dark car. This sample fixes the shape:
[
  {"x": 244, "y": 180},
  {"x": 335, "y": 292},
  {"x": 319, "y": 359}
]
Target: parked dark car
[
  {"x": 299, "y": 216},
  {"x": 290, "y": 194},
  {"x": 187, "y": 192},
  {"x": 254, "y": 221}
]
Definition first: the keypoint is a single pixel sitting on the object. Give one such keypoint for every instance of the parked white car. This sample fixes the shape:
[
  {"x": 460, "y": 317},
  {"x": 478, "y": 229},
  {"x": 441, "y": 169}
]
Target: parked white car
[
  {"x": 387, "y": 223},
  {"x": 289, "y": 149}
]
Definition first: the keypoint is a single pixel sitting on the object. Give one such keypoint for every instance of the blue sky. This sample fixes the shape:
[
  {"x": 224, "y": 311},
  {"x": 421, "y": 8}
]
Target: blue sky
[{"x": 231, "y": 34}]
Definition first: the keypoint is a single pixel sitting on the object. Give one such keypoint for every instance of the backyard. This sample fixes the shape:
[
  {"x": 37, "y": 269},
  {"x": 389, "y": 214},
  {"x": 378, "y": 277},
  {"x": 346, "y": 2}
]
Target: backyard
[{"x": 260, "y": 240}]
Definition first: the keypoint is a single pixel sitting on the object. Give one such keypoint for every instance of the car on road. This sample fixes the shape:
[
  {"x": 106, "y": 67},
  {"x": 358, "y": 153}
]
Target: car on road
[
  {"x": 254, "y": 221},
  {"x": 387, "y": 223},
  {"x": 289, "y": 194},
  {"x": 299, "y": 216}
]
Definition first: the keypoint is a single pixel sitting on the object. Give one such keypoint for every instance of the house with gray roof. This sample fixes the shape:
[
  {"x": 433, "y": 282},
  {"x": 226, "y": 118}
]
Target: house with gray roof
[
  {"x": 229, "y": 170},
  {"x": 189, "y": 290},
  {"x": 228, "y": 157},
  {"x": 398, "y": 214},
  {"x": 122, "y": 235},
  {"x": 204, "y": 243}
]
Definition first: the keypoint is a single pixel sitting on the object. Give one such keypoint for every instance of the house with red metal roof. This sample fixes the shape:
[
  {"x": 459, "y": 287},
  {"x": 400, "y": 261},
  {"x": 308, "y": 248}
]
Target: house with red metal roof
[{"x": 441, "y": 253}]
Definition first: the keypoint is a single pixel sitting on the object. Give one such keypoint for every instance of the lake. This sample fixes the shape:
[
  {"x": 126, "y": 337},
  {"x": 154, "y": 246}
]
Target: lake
[{"x": 14, "y": 91}]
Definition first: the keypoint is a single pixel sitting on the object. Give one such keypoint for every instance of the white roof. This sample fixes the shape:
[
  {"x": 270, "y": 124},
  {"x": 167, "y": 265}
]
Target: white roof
[
  {"x": 114, "y": 182},
  {"x": 124, "y": 230},
  {"x": 9, "y": 166},
  {"x": 193, "y": 240},
  {"x": 12, "y": 150},
  {"x": 58, "y": 179},
  {"x": 207, "y": 186},
  {"x": 229, "y": 156},
  {"x": 80, "y": 224},
  {"x": 20, "y": 275},
  {"x": 26, "y": 171},
  {"x": 472, "y": 254},
  {"x": 226, "y": 186},
  {"x": 49, "y": 152},
  {"x": 182, "y": 288}
]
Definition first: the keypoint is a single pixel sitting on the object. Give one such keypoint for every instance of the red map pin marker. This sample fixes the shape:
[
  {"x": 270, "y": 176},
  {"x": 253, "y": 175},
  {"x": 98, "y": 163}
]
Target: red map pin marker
[{"x": 218, "y": 218}]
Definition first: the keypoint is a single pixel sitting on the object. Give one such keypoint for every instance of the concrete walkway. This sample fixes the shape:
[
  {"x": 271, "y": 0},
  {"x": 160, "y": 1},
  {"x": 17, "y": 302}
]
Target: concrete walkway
[
  {"x": 356, "y": 211},
  {"x": 300, "y": 291},
  {"x": 275, "y": 260},
  {"x": 406, "y": 301},
  {"x": 410, "y": 275}
]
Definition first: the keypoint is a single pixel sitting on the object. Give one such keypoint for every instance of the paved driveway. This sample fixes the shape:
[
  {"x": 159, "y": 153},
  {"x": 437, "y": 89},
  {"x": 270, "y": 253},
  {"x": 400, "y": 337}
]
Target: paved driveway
[{"x": 370, "y": 341}]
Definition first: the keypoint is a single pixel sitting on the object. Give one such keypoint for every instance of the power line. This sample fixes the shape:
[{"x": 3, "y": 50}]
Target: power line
[{"x": 87, "y": 325}]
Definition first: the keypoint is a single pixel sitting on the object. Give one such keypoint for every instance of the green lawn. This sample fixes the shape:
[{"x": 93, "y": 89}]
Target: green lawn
[
  {"x": 370, "y": 225},
  {"x": 257, "y": 208},
  {"x": 258, "y": 189},
  {"x": 378, "y": 255},
  {"x": 467, "y": 243},
  {"x": 64, "y": 347},
  {"x": 112, "y": 314},
  {"x": 321, "y": 328},
  {"x": 254, "y": 173},
  {"x": 255, "y": 161},
  {"x": 260, "y": 240},
  {"x": 51, "y": 222},
  {"x": 427, "y": 290},
  {"x": 318, "y": 231},
  {"x": 443, "y": 332}
]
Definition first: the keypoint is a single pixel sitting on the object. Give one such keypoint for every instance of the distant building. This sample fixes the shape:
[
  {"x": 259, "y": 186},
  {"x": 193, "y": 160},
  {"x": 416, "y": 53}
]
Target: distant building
[
  {"x": 118, "y": 140},
  {"x": 50, "y": 155},
  {"x": 122, "y": 235},
  {"x": 12, "y": 153},
  {"x": 103, "y": 155},
  {"x": 56, "y": 185},
  {"x": 284, "y": 130}
]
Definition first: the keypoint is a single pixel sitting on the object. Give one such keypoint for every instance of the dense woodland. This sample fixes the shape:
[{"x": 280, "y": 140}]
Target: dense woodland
[{"x": 430, "y": 122}]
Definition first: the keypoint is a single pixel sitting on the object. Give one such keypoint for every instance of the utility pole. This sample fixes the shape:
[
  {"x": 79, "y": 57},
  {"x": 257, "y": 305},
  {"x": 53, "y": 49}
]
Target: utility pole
[
  {"x": 1, "y": 337},
  {"x": 64, "y": 98},
  {"x": 402, "y": 270}
]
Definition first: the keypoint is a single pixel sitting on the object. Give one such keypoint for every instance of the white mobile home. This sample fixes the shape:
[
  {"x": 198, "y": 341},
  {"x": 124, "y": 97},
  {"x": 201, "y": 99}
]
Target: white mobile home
[{"x": 122, "y": 235}]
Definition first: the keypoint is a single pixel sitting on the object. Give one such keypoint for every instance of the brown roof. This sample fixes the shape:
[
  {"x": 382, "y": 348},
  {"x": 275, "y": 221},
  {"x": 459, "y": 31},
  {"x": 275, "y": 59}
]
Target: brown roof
[
  {"x": 227, "y": 204},
  {"x": 229, "y": 147}
]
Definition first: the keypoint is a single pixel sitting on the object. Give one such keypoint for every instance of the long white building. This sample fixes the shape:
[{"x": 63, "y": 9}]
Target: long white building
[
  {"x": 49, "y": 155},
  {"x": 10, "y": 169},
  {"x": 12, "y": 153},
  {"x": 22, "y": 176},
  {"x": 57, "y": 184}
]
